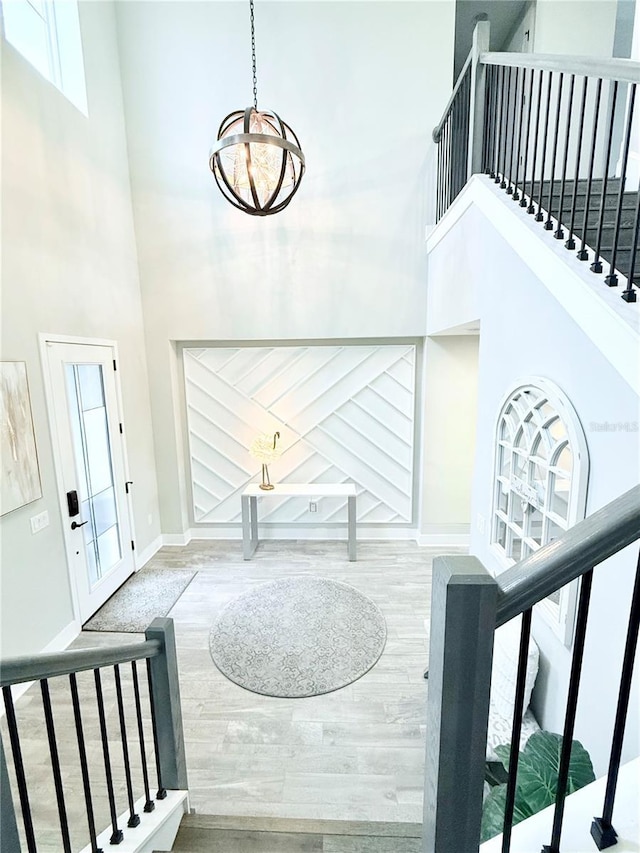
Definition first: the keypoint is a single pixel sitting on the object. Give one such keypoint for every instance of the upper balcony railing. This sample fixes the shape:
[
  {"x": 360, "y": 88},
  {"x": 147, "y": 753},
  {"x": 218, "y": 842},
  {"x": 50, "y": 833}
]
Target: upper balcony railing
[{"x": 561, "y": 136}]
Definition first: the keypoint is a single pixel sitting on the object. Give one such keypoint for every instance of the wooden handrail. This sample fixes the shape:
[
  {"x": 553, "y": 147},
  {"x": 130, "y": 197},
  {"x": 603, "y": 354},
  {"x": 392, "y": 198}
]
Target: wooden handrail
[
  {"x": 50, "y": 664},
  {"x": 582, "y": 547},
  {"x": 623, "y": 70}
]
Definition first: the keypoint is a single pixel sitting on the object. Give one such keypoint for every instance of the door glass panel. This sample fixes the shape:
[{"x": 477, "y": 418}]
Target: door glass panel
[
  {"x": 97, "y": 451},
  {"x": 94, "y": 467},
  {"x": 108, "y": 549},
  {"x": 90, "y": 381},
  {"x": 104, "y": 509}
]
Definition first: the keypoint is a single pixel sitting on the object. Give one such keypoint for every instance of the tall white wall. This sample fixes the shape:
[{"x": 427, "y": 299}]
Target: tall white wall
[
  {"x": 69, "y": 267},
  {"x": 578, "y": 27},
  {"x": 448, "y": 443},
  {"x": 362, "y": 86},
  {"x": 525, "y": 333}
]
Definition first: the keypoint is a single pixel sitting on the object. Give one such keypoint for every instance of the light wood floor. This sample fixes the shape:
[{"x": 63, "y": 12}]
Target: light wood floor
[{"x": 356, "y": 754}]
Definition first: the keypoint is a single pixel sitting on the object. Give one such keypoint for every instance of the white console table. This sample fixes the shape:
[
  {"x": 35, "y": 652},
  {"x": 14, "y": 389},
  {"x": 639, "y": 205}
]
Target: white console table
[{"x": 249, "y": 499}]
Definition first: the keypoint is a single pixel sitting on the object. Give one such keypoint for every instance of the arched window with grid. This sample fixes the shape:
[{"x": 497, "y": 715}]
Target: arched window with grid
[{"x": 540, "y": 482}]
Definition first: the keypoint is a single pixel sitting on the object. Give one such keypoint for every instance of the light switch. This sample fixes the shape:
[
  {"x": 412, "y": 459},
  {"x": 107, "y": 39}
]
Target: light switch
[{"x": 38, "y": 522}]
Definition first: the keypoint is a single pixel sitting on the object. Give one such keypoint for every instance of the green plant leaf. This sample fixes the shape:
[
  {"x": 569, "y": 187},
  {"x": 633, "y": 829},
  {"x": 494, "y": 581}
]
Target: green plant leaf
[
  {"x": 493, "y": 812},
  {"x": 537, "y": 783}
]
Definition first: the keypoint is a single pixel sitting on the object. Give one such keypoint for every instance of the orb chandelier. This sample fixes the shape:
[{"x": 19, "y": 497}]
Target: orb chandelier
[{"x": 257, "y": 161}]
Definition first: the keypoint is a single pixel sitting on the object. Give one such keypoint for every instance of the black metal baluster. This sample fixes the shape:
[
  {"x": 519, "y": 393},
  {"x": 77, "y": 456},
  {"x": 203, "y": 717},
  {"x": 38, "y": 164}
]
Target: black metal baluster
[
  {"x": 149, "y": 805},
  {"x": 456, "y": 141},
  {"x": 516, "y": 73},
  {"x": 571, "y": 243},
  {"x": 531, "y": 208},
  {"x": 516, "y": 729},
  {"x": 548, "y": 225},
  {"x": 629, "y": 294},
  {"x": 116, "y": 835},
  {"x": 125, "y": 746},
  {"x": 602, "y": 831},
  {"x": 55, "y": 765},
  {"x": 18, "y": 765},
  {"x": 570, "y": 717},
  {"x": 162, "y": 793},
  {"x": 437, "y": 182},
  {"x": 443, "y": 205},
  {"x": 522, "y": 73},
  {"x": 527, "y": 142},
  {"x": 501, "y": 129},
  {"x": 459, "y": 142},
  {"x": 447, "y": 166},
  {"x": 440, "y": 175},
  {"x": 449, "y": 159},
  {"x": 539, "y": 214},
  {"x": 466, "y": 118},
  {"x": 559, "y": 232},
  {"x": 596, "y": 266},
  {"x": 86, "y": 783},
  {"x": 486, "y": 127},
  {"x": 507, "y": 158},
  {"x": 612, "y": 279},
  {"x": 493, "y": 155},
  {"x": 583, "y": 255}
]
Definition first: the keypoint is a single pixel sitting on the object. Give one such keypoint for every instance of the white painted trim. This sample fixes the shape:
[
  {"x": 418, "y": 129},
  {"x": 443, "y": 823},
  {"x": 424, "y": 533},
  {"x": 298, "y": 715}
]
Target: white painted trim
[
  {"x": 45, "y": 338},
  {"x": 612, "y": 324},
  {"x": 59, "y": 643},
  {"x": 72, "y": 339},
  {"x": 365, "y": 533},
  {"x": 176, "y": 540},
  {"x": 443, "y": 540},
  {"x": 144, "y": 556},
  {"x": 157, "y": 829},
  {"x": 339, "y": 533}
]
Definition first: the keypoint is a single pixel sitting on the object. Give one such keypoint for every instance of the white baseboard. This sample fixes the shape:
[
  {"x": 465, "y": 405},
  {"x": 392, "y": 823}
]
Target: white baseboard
[
  {"x": 364, "y": 533},
  {"x": 144, "y": 556},
  {"x": 60, "y": 642},
  {"x": 176, "y": 539},
  {"x": 443, "y": 540}
]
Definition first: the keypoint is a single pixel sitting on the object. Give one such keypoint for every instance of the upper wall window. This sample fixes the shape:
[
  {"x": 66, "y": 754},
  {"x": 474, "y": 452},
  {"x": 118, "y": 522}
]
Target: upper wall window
[
  {"x": 540, "y": 482},
  {"x": 47, "y": 34}
]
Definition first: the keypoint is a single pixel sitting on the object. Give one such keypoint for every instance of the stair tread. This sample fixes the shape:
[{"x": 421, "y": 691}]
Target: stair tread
[
  {"x": 195, "y": 840},
  {"x": 201, "y": 833}
]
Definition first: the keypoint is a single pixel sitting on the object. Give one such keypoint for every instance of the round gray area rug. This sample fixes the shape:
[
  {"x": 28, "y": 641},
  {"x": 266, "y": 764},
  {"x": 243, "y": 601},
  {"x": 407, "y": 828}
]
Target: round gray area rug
[{"x": 298, "y": 637}]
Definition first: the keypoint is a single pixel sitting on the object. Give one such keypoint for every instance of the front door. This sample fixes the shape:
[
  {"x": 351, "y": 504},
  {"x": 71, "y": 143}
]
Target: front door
[{"x": 92, "y": 471}]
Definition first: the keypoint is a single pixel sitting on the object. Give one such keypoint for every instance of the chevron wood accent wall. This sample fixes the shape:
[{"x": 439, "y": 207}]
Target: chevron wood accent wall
[{"x": 344, "y": 413}]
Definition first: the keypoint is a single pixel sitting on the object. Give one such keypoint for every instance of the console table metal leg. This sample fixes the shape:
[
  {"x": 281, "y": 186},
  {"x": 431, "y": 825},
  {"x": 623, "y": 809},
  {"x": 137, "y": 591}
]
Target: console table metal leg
[
  {"x": 253, "y": 502},
  {"x": 249, "y": 526},
  {"x": 351, "y": 511}
]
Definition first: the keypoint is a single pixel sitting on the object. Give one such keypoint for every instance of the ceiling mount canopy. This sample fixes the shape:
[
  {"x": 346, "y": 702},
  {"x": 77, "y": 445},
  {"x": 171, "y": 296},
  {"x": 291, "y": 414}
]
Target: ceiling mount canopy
[{"x": 257, "y": 161}]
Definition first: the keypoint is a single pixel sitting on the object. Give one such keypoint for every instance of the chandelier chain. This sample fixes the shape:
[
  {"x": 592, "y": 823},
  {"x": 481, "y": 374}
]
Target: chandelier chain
[{"x": 253, "y": 58}]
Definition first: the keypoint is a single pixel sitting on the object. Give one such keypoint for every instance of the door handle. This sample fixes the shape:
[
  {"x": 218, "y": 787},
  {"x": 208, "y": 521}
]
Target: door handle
[{"x": 75, "y": 524}]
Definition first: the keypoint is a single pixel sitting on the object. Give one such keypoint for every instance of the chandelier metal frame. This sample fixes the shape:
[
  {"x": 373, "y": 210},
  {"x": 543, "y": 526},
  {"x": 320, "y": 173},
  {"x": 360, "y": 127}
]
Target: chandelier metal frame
[{"x": 283, "y": 138}]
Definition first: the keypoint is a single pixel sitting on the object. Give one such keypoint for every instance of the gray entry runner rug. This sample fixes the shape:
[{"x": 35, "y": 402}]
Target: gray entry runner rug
[
  {"x": 148, "y": 593},
  {"x": 299, "y": 636}
]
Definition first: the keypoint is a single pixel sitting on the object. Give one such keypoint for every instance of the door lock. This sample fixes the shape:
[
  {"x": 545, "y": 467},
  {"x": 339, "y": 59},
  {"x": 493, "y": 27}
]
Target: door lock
[{"x": 75, "y": 524}]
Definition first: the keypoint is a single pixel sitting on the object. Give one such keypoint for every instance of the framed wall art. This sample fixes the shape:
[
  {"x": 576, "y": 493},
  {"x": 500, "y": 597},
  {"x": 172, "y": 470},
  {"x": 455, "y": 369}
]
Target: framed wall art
[{"x": 19, "y": 472}]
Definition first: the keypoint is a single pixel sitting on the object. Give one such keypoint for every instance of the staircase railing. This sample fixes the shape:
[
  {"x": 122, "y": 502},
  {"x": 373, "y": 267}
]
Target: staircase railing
[
  {"x": 468, "y": 604},
  {"x": 561, "y": 136},
  {"x": 162, "y": 711}
]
